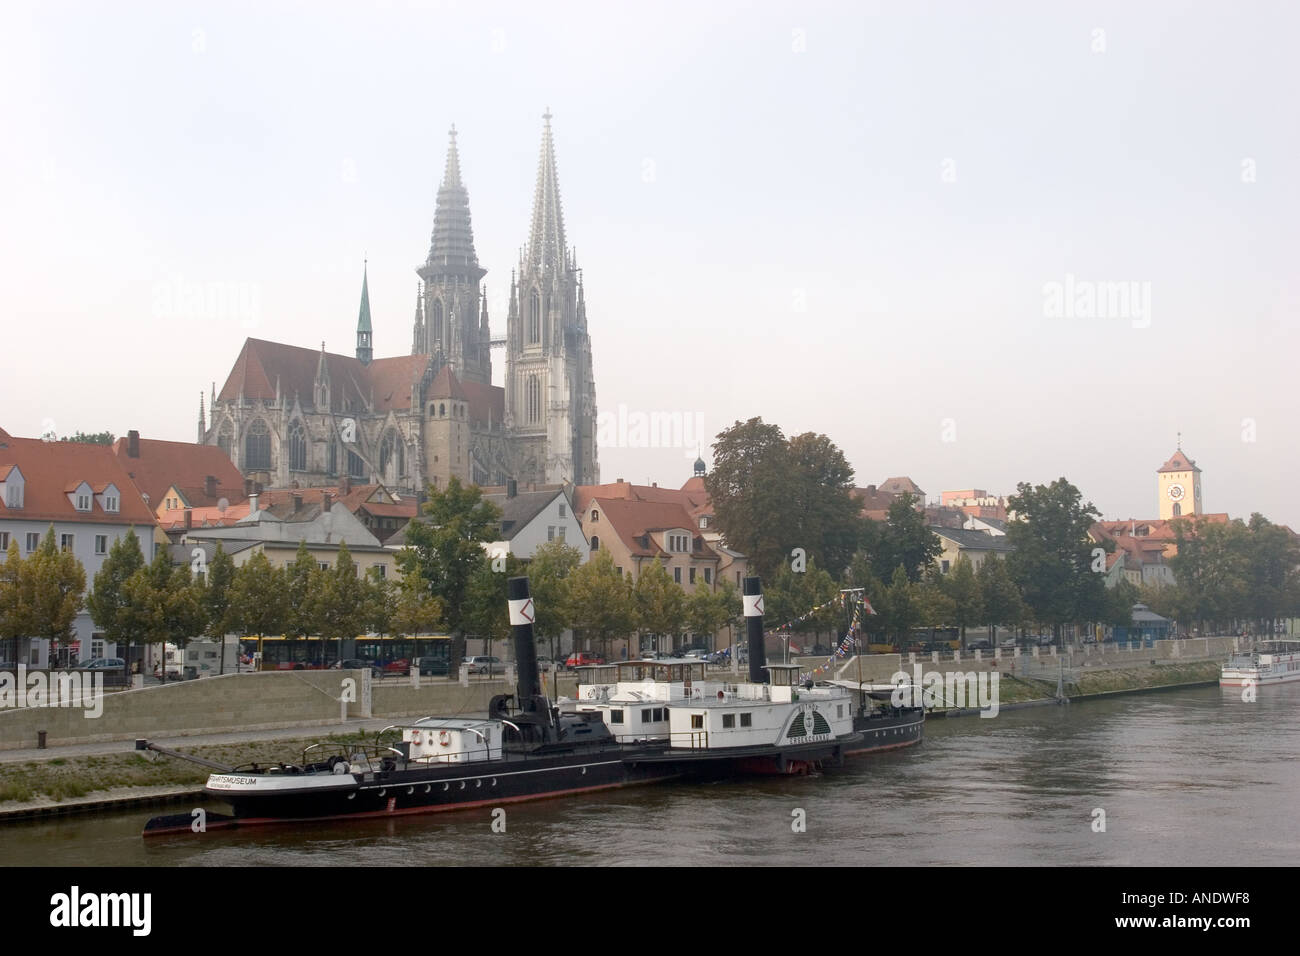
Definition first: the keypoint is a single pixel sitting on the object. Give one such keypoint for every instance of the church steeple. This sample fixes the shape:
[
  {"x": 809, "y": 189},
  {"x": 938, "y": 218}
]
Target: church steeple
[
  {"x": 546, "y": 249},
  {"x": 452, "y": 276},
  {"x": 365, "y": 350}
]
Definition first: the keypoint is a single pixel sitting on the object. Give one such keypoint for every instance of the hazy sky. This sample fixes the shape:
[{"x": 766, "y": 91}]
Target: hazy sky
[{"x": 863, "y": 221}]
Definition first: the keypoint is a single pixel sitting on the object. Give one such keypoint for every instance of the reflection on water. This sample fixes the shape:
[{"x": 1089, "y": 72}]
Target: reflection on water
[{"x": 1184, "y": 777}]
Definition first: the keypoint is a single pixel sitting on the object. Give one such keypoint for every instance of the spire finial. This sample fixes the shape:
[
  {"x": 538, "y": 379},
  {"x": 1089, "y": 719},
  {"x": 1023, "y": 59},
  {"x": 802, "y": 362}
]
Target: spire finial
[{"x": 1180, "y": 440}]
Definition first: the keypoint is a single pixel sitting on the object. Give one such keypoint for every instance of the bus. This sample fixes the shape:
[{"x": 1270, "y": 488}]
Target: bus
[
  {"x": 394, "y": 654},
  {"x": 921, "y": 640}
]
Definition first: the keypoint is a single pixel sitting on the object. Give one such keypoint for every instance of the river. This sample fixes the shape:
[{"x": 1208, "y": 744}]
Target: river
[{"x": 1186, "y": 777}]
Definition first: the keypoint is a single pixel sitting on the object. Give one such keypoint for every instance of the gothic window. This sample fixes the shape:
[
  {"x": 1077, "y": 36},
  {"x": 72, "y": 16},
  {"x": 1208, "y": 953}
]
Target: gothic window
[
  {"x": 595, "y": 543},
  {"x": 332, "y": 466},
  {"x": 534, "y": 318},
  {"x": 534, "y": 397},
  {"x": 392, "y": 457},
  {"x": 297, "y": 447},
  {"x": 257, "y": 447},
  {"x": 356, "y": 467},
  {"x": 226, "y": 438},
  {"x": 437, "y": 321},
  {"x": 1178, "y": 509}
]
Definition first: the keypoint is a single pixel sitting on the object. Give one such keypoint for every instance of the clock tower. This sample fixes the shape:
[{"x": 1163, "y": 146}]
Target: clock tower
[{"x": 1178, "y": 485}]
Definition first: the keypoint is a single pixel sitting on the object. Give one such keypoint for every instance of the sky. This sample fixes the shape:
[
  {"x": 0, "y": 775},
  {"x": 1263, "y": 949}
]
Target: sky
[{"x": 973, "y": 243}]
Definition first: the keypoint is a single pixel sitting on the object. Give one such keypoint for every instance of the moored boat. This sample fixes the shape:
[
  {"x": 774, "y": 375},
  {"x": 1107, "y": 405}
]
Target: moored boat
[{"x": 1270, "y": 662}]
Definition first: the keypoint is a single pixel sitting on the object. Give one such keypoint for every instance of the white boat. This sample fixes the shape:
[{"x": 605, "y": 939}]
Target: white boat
[{"x": 1271, "y": 662}]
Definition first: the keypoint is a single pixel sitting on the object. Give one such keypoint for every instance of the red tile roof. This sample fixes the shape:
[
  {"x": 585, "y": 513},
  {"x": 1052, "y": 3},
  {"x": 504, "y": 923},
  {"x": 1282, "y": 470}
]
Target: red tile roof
[
  {"x": 633, "y": 519},
  {"x": 583, "y": 495},
  {"x": 186, "y": 465},
  {"x": 1179, "y": 462},
  {"x": 49, "y": 467}
]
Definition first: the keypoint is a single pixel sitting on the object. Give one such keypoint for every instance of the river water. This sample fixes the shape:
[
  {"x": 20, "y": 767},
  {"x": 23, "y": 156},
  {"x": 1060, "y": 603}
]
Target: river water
[{"x": 1187, "y": 777}]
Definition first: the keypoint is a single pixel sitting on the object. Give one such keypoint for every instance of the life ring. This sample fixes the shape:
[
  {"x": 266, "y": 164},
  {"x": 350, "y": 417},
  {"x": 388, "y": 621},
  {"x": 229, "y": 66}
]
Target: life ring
[
  {"x": 721, "y": 696},
  {"x": 591, "y": 693},
  {"x": 415, "y": 737},
  {"x": 444, "y": 738}
]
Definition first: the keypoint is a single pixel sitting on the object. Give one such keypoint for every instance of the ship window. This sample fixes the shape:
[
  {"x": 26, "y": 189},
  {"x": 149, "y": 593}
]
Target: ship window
[
  {"x": 616, "y": 716},
  {"x": 697, "y": 721},
  {"x": 839, "y": 710},
  {"x": 645, "y": 716},
  {"x": 728, "y": 720},
  {"x": 661, "y": 713},
  {"x": 747, "y": 720}
]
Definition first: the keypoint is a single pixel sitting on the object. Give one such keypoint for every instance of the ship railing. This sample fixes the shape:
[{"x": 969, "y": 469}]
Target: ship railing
[{"x": 689, "y": 739}]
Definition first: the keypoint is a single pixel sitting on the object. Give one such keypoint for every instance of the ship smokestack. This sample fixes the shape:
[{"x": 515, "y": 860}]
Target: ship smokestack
[
  {"x": 522, "y": 613},
  {"x": 753, "y": 600}
]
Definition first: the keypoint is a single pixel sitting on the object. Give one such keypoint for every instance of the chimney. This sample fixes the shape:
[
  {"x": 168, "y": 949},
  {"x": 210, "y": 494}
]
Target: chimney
[
  {"x": 345, "y": 485},
  {"x": 327, "y": 499},
  {"x": 871, "y": 489},
  {"x": 297, "y": 502},
  {"x": 248, "y": 487},
  {"x": 512, "y": 487},
  {"x": 133, "y": 444},
  {"x": 753, "y": 604},
  {"x": 252, "y": 503},
  {"x": 189, "y": 519},
  {"x": 210, "y": 486}
]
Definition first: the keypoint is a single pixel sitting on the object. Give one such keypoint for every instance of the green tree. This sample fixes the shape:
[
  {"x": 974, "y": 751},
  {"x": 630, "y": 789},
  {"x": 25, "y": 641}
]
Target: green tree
[
  {"x": 961, "y": 585},
  {"x": 548, "y": 581},
  {"x": 219, "y": 580},
  {"x": 414, "y": 611},
  {"x": 935, "y": 605},
  {"x": 828, "y": 520},
  {"x": 183, "y": 609},
  {"x": 109, "y": 602},
  {"x": 95, "y": 438},
  {"x": 54, "y": 583},
  {"x": 1052, "y": 558},
  {"x": 342, "y": 609},
  {"x": 903, "y": 607},
  {"x": 258, "y": 604},
  {"x": 999, "y": 596},
  {"x": 487, "y": 613},
  {"x": 601, "y": 600},
  {"x": 707, "y": 611},
  {"x": 904, "y": 539},
  {"x": 660, "y": 603},
  {"x": 15, "y": 614},
  {"x": 445, "y": 549},
  {"x": 304, "y": 585}
]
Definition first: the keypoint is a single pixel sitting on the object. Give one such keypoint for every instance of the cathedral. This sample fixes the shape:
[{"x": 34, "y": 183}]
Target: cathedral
[{"x": 289, "y": 414}]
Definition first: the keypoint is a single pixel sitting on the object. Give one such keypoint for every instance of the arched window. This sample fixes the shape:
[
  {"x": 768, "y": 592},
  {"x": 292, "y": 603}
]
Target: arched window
[
  {"x": 1178, "y": 509},
  {"x": 437, "y": 321},
  {"x": 534, "y": 398},
  {"x": 356, "y": 467},
  {"x": 333, "y": 463},
  {"x": 392, "y": 456},
  {"x": 297, "y": 447},
  {"x": 595, "y": 543},
  {"x": 226, "y": 438},
  {"x": 534, "y": 317},
  {"x": 257, "y": 447},
  {"x": 595, "y": 515}
]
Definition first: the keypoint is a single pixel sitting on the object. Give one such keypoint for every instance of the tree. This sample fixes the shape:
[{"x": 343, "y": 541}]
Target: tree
[
  {"x": 828, "y": 520},
  {"x": 548, "y": 581},
  {"x": 707, "y": 611},
  {"x": 53, "y": 586},
  {"x": 216, "y": 599},
  {"x": 15, "y": 615},
  {"x": 342, "y": 609},
  {"x": 415, "y": 612},
  {"x": 258, "y": 604},
  {"x": 903, "y": 608},
  {"x": 183, "y": 608},
  {"x": 97, "y": 438},
  {"x": 303, "y": 586},
  {"x": 751, "y": 489},
  {"x": 660, "y": 603},
  {"x": 487, "y": 610},
  {"x": 601, "y": 600},
  {"x": 790, "y": 596},
  {"x": 109, "y": 602},
  {"x": 445, "y": 549},
  {"x": 999, "y": 596},
  {"x": 904, "y": 539},
  {"x": 1052, "y": 558},
  {"x": 963, "y": 589}
]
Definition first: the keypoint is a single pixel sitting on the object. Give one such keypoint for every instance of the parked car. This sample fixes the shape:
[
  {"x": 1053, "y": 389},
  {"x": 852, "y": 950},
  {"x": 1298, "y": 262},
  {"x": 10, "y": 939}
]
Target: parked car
[
  {"x": 979, "y": 646},
  {"x": 401, "y": 667},
  {"x": 103, "y": 663},
  {"x": 1007, "y": 643},
  {"x": 432, "y": 666},
  {"x": 583, "y": 659},
  {"x": 485, "y": 665},
  {"x": 357, "y": 664},
  {"x": 545, "y": 664}
]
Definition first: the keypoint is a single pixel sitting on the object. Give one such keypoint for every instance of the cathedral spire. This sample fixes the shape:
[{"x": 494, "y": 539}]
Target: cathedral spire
[
  {"x": 203, "y": 428},
  {"x": 546, "y": 249},
  {"x": 365, "y": 350},
  {"x": 451, "y": 247}
]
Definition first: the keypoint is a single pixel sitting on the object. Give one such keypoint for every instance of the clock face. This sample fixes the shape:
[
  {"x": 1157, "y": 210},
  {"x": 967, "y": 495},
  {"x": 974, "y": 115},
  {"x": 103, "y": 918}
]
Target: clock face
[{"x": 1176, "y": 492}]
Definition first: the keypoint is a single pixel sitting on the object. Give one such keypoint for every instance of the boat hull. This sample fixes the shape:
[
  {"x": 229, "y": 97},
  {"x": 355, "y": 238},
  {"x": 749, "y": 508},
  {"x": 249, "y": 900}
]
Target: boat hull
[{"x": 888, "y": 732}]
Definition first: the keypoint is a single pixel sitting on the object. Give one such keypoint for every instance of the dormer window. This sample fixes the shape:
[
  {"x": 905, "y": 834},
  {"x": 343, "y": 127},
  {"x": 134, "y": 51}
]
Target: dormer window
[
  {"x": 83, "y": 502},
  {"x": 13, "y": 495},
  {"x": 111, "y": 503}
]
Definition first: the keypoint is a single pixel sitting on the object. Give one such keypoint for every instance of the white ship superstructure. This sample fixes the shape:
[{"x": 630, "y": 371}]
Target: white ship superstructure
[{"x": 1271, "y": 662}]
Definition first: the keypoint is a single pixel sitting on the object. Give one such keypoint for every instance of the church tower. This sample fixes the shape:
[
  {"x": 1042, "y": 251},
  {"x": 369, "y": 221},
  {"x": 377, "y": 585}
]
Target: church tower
[
  {"x": 1178, "y": 484},
  {"x": 550, "y": 392},
  {"x": 365, "y": 336},
  {"x": 450, "y": 314}
]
